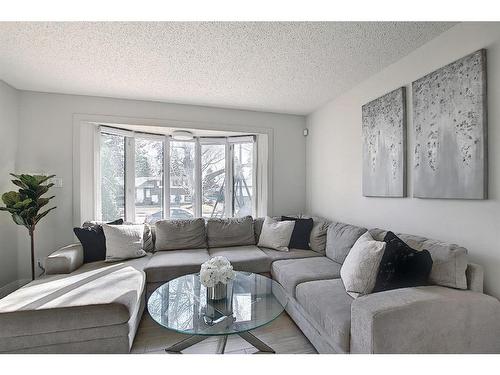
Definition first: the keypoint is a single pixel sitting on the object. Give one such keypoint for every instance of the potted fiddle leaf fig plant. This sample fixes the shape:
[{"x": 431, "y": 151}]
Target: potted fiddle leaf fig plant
[{"x": 25, "y": 205}]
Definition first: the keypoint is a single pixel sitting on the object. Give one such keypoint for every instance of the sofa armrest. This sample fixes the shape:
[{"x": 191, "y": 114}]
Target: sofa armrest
[
  {"x": 475, "y": 277},
  {"x": 64, "y": 260},
  {"x": 431, "y": 319}
]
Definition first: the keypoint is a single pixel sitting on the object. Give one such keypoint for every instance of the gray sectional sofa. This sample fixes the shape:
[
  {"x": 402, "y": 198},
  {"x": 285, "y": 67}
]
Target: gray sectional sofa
[{"x": 96, "y": 307}]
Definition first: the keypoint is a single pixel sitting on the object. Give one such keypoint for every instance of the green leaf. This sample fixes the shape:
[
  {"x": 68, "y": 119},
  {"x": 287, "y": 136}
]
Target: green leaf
[
  {"x": 43, "y": 214},
  {"x": 42, "y": 179},
  {"x": 18, "y": 219},
  {"x": 30, "y": 181},
  {"x": 8, "y": 209},
  {"x": 23, "y": 204},
  {"x": 42, "y": 189},
  {"x": 11, "y": 198},
  {"x": 31, "y": 212},
  {"x": 21, "y": 184},
  {"x": 43, "y": 201}
]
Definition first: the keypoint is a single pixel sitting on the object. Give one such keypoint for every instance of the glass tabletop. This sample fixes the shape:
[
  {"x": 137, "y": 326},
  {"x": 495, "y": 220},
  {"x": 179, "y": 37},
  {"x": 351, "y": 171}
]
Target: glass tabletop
[{"x": 252, "y": 301}]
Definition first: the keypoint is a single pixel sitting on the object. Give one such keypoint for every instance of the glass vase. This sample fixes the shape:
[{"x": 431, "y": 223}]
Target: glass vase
[{"x": 217, "y": 292}]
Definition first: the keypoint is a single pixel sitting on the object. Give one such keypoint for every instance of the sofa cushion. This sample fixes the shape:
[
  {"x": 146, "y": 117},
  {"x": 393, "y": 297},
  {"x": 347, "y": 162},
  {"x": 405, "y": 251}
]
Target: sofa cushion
[
  {"x": 291, "y": 272},
  {"x": 290, "y": 254},
  {"x": 167, "y": 265},
  {"x": 449, "y": 261},
  {"x": 136, "y": 263},
  {"x": 66, "y": 341},
  {"x": 237, "y": 231},
  {"x": 96, "y": 295},
  {"x": 317, "y": 242},
  {"x": 244, "y": 258},
  {"x": 180, "y": 234},
  {"x": 328, "y": 304},
  {"x": 340, "y": 239},
  {"x": 65, "y": 260}
]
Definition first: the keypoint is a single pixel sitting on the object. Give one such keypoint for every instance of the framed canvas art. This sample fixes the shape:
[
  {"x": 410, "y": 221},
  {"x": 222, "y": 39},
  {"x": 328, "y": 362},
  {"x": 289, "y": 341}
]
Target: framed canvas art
[
  {"x": 384, "y": 143},
  {"x": 450, "y": 130}
]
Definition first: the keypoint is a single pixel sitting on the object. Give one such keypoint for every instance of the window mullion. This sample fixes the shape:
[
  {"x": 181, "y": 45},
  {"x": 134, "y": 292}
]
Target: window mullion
[
  {"x": 130, "y": 179},
  {"x": 166, "y": 177},
  {"x": 228, "y": 190},
  {"x": 255, "y": 178},
  {"x": 97, "y": 175},
  {"x": 197, "y": 179}
]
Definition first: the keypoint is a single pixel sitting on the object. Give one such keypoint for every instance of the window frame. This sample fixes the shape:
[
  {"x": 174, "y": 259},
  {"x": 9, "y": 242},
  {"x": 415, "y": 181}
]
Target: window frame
[
  {"x": 129, "y": 189},
  {"x": 196, "y": 193},
  {"x": 238, "y": 140},
  {"x": 131, "y": 194}
]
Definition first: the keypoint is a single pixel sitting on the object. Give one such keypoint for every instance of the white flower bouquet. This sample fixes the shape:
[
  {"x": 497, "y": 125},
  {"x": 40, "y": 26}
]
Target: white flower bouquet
[{"x": 216, "y": 270}]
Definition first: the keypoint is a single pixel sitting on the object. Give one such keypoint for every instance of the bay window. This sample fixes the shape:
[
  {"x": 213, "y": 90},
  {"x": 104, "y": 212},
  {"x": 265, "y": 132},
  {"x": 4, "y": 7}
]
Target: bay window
[{"x": 148, "y": 177}]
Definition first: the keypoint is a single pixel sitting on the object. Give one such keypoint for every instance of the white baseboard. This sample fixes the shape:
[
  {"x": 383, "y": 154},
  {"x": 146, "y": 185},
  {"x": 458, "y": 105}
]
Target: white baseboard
[{"x": 11, "y": 287}]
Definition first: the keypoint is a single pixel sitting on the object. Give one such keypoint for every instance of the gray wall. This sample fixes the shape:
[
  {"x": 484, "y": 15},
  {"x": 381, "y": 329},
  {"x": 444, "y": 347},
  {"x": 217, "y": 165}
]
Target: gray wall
[
  {"x": 334, "y": 156},
  {"x": 46, "y": 122},
  {"x": 9, "y": 101}
]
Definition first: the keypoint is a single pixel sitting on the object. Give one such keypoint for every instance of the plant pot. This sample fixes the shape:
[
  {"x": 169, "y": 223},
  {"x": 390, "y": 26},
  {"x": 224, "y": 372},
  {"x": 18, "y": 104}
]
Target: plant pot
[{"x": 217, "y": 292}]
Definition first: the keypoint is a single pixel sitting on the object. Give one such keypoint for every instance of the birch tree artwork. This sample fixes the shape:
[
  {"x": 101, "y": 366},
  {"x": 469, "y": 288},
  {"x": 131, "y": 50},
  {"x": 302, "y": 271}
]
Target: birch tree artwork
[
  {"x": 449, "y": 125},
  {"x": 384, "y": 143}
]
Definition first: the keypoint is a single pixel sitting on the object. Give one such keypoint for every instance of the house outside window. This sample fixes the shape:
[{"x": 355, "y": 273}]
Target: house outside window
[{"x": 149, "y": 177}]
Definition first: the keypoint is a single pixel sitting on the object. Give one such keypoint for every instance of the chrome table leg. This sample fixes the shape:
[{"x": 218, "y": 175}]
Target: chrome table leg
[
  {"x": 261, "y": 346},
  {"x": 184, "y": 344},
  {"x": 221, "y": 344}
]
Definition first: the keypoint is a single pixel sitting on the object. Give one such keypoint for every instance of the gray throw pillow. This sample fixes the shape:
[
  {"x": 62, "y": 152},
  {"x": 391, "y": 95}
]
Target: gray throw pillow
[
  {"x": 276, "y": 234},
  {"x": 148, "y": 240},
  {"x": 258, "y": 223},
  {"x": 317, "y": 240},
  {"x": 360, "y": 268},
  {"x": 180, "y": 234},
  {"x": 237, "y": 231},
  {"x": 123, "y": 242}
]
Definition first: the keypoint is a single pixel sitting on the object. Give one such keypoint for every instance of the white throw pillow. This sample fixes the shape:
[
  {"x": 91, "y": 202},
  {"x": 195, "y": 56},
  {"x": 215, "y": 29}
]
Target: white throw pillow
[
  {"x": 123, "y": 241},
  {"x": 276, "y": 234},
  {"x": 360, "y": 268}
]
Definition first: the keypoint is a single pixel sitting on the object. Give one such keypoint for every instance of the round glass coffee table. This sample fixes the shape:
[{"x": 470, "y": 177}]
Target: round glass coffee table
[{"x": 252, "y": 301}]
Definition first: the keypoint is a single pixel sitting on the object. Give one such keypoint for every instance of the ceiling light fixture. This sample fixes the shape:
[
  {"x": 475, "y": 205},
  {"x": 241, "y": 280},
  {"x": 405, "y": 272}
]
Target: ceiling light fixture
[{"x": 182, "y": 135}]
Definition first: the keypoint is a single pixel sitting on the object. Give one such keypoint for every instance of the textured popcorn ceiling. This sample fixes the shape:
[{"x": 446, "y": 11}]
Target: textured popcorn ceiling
[{"x": 277, "y": 67}]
